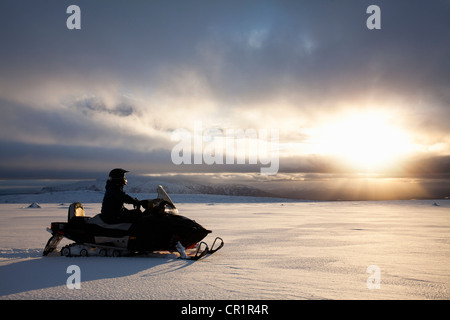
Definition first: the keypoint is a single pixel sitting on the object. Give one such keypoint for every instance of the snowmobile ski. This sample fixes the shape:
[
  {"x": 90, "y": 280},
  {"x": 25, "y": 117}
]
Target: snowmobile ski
[
  {"x": 201, "y": 252},
  {"x": 220, "y": 245},
  {"x": 203, "y": 249}
]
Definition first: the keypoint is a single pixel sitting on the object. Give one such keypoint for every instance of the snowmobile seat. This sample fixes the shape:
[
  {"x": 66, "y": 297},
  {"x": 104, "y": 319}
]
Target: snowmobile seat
[{"x": 97, "y": 220}]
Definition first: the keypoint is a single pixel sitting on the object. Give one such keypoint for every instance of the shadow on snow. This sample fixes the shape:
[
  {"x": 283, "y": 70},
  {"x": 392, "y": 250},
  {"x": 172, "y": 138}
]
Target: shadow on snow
[{"x": 38, "y": 272}]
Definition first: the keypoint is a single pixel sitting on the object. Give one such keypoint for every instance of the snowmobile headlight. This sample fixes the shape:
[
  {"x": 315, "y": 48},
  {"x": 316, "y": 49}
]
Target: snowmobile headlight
[{"x": 169, "y": 210}]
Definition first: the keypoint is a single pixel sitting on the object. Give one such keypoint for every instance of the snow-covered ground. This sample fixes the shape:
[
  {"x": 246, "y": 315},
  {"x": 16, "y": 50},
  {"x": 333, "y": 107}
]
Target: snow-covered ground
[{"x": 274, "y": 249}]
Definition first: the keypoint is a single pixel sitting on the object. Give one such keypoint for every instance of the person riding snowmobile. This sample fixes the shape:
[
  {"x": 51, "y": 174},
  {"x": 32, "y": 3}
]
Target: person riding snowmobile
[{"x": 113, "y": 210}]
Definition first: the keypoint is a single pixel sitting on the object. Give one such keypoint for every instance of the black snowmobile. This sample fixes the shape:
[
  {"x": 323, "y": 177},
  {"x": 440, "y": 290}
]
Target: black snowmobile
[{"x": 160, "y": 228}]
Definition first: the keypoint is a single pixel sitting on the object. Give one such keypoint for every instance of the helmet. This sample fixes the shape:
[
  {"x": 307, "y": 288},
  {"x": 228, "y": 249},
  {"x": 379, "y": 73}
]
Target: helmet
[{"x": 118, "y": 176}]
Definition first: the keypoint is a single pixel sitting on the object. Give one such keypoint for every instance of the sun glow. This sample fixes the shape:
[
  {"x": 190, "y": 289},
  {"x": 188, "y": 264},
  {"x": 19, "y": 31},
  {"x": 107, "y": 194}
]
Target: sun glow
[{"x": 367, "y": 142}]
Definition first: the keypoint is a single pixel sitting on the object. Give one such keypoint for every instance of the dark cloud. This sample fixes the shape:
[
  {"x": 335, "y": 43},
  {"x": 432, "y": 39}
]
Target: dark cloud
[
  {"x": 92, "y": 105},
  {"x": 60, "y": 161},
  {"x": 258, "y": 46},
  {"x": 138, "y": 69},
  {"x": 87, "y": 122}
]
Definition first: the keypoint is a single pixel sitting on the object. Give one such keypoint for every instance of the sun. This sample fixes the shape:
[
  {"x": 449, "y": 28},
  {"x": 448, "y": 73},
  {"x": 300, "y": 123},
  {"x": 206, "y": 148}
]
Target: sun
[{"x": 365, "y": 141}]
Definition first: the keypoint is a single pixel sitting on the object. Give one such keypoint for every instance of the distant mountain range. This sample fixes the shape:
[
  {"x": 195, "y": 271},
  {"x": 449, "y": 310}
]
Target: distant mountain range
[
  {"x": 306, "y": 187},
  {"x": 149, "y": 185}
]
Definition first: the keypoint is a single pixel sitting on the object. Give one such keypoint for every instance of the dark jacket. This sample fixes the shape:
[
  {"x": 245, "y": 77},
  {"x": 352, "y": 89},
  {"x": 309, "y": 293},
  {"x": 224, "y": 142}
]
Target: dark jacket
[{"x": 112, "y": 206}]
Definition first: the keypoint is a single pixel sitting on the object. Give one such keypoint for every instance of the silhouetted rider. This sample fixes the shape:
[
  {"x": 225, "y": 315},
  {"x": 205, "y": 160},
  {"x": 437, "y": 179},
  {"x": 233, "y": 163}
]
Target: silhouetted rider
[{"x": 113, "y": 210}]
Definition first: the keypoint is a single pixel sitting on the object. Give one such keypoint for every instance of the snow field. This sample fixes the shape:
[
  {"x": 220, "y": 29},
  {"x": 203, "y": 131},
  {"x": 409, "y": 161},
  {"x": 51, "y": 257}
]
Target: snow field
[{"x": 273, "y": 250}]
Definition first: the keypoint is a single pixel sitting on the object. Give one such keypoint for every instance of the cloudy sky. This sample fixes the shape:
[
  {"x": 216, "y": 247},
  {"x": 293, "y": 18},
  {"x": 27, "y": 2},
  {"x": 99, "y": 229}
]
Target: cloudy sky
[{"x": 342, "y": 98}]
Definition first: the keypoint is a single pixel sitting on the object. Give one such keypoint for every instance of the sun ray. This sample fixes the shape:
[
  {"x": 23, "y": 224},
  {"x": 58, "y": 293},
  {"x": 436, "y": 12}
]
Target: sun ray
[{"x": 367, "y": 142}]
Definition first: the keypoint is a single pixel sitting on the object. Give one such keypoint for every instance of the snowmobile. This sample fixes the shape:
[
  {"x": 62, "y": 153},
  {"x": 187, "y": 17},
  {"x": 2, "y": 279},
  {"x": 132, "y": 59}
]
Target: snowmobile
[{"x": 160, "y": 228}]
